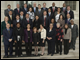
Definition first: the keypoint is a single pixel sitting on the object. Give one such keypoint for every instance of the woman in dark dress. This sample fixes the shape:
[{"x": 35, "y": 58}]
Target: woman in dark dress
[
  {"x": 35, "y": 40},
  {"x": 28, "y": 39},
  {"x": 36, "y": 22}
]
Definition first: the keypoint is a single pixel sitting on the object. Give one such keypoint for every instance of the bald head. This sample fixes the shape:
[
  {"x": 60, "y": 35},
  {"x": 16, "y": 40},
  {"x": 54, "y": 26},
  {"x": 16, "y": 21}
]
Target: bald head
[{"x": 53, "y": 4}]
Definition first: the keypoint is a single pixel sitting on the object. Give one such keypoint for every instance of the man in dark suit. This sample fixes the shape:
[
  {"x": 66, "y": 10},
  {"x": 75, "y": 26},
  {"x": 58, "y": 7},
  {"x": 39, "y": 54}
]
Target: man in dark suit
[
  {"x": 8, "y": 40},
  {"x": 6, "y": 12},
  {"x": 11, "y": 17},
  {"x": 64, "y": 9},
  {"x": 53, "y": 8},
  {"x": 45, "y": 20},
  {"x": 74, "y": 31},
  {"x": 44, "y": 7},
  {"x": 39, "y": 12},
  {"x": 17, "y": 10},
  {"x": 22, "y": 17},
  {"x": 34, "y": 8},
  {"x": 26, "y": 21},
  {"x": 67, "y": 21},
  {"x": 16, "y": 21},
  {"x": 18, "y": 35},
  {"x": 25, "y": 9},
  {"x": 69, "y": 12}
]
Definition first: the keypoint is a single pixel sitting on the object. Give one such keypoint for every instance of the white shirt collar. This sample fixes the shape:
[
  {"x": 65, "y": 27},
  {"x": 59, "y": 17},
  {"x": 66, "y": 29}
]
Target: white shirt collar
[
  {"x": 27, "y": 18},
  {"x": 17, "y": 8},
  {"x": 68, "y": 11},
  {"x": 45, "y": 16},
  {"x": 53, "y": 7},
  {"x": 17, "y": 20},
  {"x": 49, "y": 12},
  {"x": 10, "y": 15},
  {"x": 39, "y": 9}
]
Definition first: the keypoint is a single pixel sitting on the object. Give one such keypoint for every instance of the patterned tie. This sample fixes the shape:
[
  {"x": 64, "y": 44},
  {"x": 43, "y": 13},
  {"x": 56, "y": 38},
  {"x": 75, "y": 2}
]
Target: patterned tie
[
  {"x": 11, "y": 17},
  {"x": 45, "y": 21}
]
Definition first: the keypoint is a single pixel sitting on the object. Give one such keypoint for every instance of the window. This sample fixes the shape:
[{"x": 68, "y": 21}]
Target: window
[{"x": 72, "y": 4}]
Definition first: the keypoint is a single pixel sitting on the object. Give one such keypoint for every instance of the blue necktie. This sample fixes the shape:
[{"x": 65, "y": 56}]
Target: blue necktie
[{"x": 34, "y": 9}]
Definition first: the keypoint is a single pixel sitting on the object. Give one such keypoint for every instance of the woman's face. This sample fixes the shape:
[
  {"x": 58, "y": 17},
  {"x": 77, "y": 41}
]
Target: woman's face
[
  {"x": 51, "y": 25},
  {"x": 6, "y": 19},
  {"x": 35, "y": 30},
  {"x": 52, "y": 21},
  {"x": 66, "y": 26},
  {"x": 37, "y": 17},
  {"x": 28, "y": 26},
  {"x": 61, "y": 17},
  {"x": 58, "y": 9},
  {"x": 41, "y": 26},
  {"x": 58, "y": 25},
  {"x": 30, "y": 9}
]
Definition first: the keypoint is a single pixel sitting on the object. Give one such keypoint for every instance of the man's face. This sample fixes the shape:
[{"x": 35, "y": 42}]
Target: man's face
[
  {"x": 64, "y": 5},
  {"x": 27, "y": 16},
  {"x": 7, "y": 25},
  {"x": 34, "y": 4},
  {"x": 72, "y": 22},
  {"x": 18, "y": 25},
  {"x": 45, "y": 13},
  {"x": 25, "y": 5},
  {"x": 9, "y": 7},
  {"x": 10, "y": 12},
  {"x": 17, "y": 17},
  {"x": 18, "y": 6},
  {"x": 49, "y": 10},
  {"x": 53, "y": 4},
  {"x": 39, "y": 7},
  {"x": 44, "y": 5},
  {"x": 68, "y": 8},
  {"x": 21, "y": 13}
]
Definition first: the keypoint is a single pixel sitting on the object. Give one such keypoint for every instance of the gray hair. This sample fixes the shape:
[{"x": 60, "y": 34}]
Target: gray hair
[{"x": 58, "y": 24}]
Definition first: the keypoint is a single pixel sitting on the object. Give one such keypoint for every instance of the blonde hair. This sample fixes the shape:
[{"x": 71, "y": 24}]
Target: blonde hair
[{"x": 5, "y": 17}]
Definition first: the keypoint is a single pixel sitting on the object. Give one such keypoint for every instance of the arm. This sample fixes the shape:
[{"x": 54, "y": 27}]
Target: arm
[
  {"x": 14, "y": 37},
  {"x": 76, "y": 31},
  {"x": 62, "y": 35},
  {"x": 38, "y": 37},
  {"x": 1, "y": 29},
  {"x": 54, "y": 34},
  {"x": 44, "y": 34},
  {"x": 70, "y": 35},
  {"x": 22, "y": 34},
  {"x": 72, "y": 14}
]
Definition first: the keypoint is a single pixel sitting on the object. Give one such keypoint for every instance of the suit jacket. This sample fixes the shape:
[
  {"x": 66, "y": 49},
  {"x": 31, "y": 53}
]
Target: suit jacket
[
  {"x": 26, "y": 35},
  {"x": 14, "y": 23},
  {"x": 16, "y": 11},
  {"x": 62, "y": 9},
  {"x": 47, "y": 21},
  {"x": 52, "y": 9},
  {"x": 68, "y": 22},
  {"x": 7, "y": 36},
  {"x": 71, "y": 14},
  {"x": 25, "y": 10},
  {"x": 6, "y": 12},
  {"x": 39, "y": 14},
  {"x": 23, "y": 18},
  {"x": 3, "y": 26},
  {"x": 25, "y": 22},
  {"x": 51, "y": 34},
  {"x": 13, "y": 18},
  {"x": 45, "y": 9},
  {"x": 68, "y": 34},
  {"x": 74, "y": 30},
  {"x": 15, "y": 34},
  {"x": 33, "y": 9}
]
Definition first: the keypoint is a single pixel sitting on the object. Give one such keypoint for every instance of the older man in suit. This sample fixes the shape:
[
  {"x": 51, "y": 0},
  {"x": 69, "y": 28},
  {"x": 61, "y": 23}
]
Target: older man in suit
[
  {"x": 17, "y": 10},
  {"x": 39, "y": 12},
  {"x": 34, "y": 8},
  {"x": 44, "y": 7},
  {"x": 53, "y": 8},
  {"x": 69, "y": 12},
  {"x": 25, "y": 9},
  {"x": 74, "y": 31},
  {"x": 8, "y": 40},
  {"x": 6, "y": 12}
]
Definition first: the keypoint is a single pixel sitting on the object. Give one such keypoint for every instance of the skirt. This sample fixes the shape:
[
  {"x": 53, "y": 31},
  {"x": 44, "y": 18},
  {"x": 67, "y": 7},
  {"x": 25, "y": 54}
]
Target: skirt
[{"x": 41, "y": 43}]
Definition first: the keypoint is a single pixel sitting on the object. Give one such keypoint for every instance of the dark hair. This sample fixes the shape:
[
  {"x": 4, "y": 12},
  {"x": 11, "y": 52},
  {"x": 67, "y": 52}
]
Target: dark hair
[
  {"x": 67, "y": 25},
  {"x": 60, "y": 9},
  {"x": 18, "y": 23},
  {"x": 26, "y": 14},
  {"x": 39, "y": 4},
  {"x": 68, "y": 5},
  {"x": 49, "y": 8},
  {"x": 42, "y": 25},
  {"x": 62, "y": 16},
  {"x": 17, "y": 15},
  {"x": 25, "y": 3},
  {"x": 8, "y": 5},
  {"x": 35, "y": 28},
  {"x": 44, "y": 3}
]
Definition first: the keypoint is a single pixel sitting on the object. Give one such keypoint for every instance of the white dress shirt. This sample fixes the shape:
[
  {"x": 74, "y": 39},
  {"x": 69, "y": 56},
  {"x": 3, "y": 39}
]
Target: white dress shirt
[
  {"x": 53, "y": 7},
  {"x": 72, "y": 26},
  {"x": 21, "y": 17},
  {"x": 17, "y": 20},
  {"x": 39, "y": 9},
  {"x": 49, "y": 13},
  {"x": 68, "y": 11},
  {"x": 45, "y": 17},
  {"x": 27, "y": 19}
]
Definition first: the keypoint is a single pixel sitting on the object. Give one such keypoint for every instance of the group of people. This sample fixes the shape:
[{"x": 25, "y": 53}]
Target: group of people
[{"x": 36, "y": 25}]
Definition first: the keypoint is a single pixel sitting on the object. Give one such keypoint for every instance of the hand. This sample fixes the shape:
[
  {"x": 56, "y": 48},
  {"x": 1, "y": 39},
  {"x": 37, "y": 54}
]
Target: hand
[
  {"x": 61, "y": 40},
  {"x": 50, "y": 38},
  {"x": 22, "y": 41},
  {"x": 69, "y": 41},
  {"x": 10, "y": 40},
  {"x": 15, "y": 41},
  {"x": 37, "y": 42},
  {"x": 42, "y": 41},
  {"x": 11, "y": 25}
]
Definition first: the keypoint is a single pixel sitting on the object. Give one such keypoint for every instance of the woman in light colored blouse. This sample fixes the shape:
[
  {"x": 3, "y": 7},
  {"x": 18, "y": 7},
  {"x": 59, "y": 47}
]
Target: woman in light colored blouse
[
  {"x": 31, "y": 14},
  {"x": 61, "y": 21},
  {"x": 42, "y": 33}
]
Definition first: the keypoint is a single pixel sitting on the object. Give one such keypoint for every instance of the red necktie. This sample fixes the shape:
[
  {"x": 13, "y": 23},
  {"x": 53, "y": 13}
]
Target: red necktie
[
  {"x": 53, "y": 9},
  {"x": 28, "y": 21},
  {"x": 45, "y": 21},
  {"x": 18, "y": 11}
]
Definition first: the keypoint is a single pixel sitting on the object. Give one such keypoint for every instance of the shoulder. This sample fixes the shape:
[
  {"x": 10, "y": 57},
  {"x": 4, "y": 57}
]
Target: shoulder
[{"x": 3, "y": 22}]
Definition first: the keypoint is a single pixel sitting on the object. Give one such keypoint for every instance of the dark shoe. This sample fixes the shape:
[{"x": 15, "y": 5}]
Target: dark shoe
[
  {"x": 60, "y": 53},
  {"x": 16, "y": 55},
  {"x": 48, "y": 54},
  {"x": 51, "y": 54},
  {"x": 5, "y": 56},
  {"x": 65, "y": 53},
  {"x": 73, "y": 48},
  {"x": 56, "y": 52}
]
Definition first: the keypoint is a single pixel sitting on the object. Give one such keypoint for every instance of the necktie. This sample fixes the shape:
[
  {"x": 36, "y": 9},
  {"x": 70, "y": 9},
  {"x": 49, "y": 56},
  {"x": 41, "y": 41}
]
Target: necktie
[
  {"x": 9, "y": 31},
  {"x": 49, "y": 14},
  {"x": 45, "y": 21},
  {"x": 28, "y": 21},
  {"x": 63, "y": 9},
  {"x": 67, "y": 12},
  {"x": 18, "y": 11},
  {"x": 34, "y": 9},
  {"x": 53, "y": 9},
  {"x": 11, "y": 17}
]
